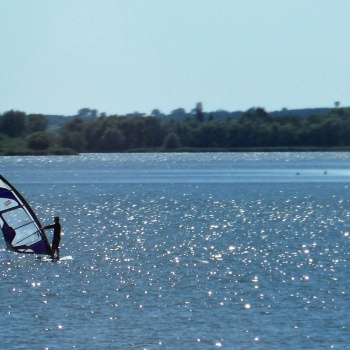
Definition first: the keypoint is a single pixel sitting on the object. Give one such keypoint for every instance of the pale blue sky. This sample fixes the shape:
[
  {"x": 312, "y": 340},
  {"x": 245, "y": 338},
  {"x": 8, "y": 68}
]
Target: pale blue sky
[{"x": 122, "y": 56}]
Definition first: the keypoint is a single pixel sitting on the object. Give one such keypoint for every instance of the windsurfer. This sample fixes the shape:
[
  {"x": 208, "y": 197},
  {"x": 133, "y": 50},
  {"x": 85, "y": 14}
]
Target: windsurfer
[{"x": 56, "y": 237}]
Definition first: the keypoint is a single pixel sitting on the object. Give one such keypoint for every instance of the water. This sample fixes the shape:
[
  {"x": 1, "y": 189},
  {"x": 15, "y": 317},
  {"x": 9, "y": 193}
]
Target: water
[{"x": 183, "y": 251}]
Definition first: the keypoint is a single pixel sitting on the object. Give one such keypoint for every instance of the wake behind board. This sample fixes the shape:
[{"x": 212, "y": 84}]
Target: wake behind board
[{"x": 47, "y": 259}]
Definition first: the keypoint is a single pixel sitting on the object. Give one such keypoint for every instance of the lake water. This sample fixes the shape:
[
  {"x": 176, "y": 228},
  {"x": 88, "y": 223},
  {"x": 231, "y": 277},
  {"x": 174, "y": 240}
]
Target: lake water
[{"x": 183, "y": 251}]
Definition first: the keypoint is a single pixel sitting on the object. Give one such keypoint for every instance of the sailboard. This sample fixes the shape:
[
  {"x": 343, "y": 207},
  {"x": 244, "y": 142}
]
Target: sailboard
[
  {"x": 63, "y": 258},
  {"x": 21, "y": 228}
]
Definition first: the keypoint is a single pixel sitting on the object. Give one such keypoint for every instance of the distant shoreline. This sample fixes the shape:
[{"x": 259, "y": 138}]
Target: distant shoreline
[
  {"x": 240, "y": 149},
  {"x": 70, "y": 152},
  {"x": 48, "y": 152}
]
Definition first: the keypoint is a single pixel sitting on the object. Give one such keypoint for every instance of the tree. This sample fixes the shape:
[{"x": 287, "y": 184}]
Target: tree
[
  {"x": 13, "y": 123},
  {"x": 36, "y": 123},
  {"x": 72, "y": 135},
  {"x": 112, "y": 140},
  {"x": 172, "y": 141},
  {"x": 156, "y": 113},
  {"x": 40, "y": 140},
  {"x": 199, "y": 112},
  {"x": 256, "y": 114},
  {"x": 178, "y": 114},
  {"x": 152, "y": 130},
  {"x": 87, "y": 113}
]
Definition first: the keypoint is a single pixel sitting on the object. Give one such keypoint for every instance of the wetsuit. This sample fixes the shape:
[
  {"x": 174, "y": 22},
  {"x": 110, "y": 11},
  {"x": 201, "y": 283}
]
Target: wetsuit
[{"x": 56, "y": 237}]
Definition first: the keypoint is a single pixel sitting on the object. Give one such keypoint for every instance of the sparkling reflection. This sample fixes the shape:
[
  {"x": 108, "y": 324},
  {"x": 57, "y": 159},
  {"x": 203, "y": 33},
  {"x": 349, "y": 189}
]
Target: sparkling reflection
[{"x": 186, "y": 265}]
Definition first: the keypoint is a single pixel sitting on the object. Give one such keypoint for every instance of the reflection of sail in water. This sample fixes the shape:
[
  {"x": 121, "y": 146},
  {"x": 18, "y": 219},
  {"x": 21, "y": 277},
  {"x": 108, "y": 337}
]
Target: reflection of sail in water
[{"x": 21, "y": 228}]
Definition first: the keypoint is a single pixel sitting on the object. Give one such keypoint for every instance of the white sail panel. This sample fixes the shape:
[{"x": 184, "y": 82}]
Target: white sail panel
[{"x": 21, "y": 228}]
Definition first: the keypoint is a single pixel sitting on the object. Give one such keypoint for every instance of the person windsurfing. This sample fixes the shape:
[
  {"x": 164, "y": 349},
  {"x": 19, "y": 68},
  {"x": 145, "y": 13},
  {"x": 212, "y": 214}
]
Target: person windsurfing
[{"x": 56, "y": 237}]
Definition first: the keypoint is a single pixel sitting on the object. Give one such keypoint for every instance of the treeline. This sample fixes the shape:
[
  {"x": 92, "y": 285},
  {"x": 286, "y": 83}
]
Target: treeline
[{"x": 254, "y": 129}]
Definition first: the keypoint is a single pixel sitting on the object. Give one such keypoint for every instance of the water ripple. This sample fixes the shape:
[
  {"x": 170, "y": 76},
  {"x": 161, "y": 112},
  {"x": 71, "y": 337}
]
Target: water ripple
[{"x": 186, "y": 265}]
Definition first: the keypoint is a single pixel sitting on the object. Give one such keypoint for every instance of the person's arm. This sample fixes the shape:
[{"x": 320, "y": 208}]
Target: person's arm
[{"x": 48, "y": 227}]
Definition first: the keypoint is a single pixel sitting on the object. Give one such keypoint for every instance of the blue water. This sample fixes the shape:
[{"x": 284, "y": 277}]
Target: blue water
[{"x": 183, "y": 251}]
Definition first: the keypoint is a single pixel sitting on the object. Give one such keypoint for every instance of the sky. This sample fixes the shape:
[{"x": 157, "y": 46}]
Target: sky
[{"x": 125, "y": 56}]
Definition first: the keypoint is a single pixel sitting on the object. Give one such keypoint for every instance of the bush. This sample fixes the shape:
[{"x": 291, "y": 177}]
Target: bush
[{"x": 40, "y": 141}]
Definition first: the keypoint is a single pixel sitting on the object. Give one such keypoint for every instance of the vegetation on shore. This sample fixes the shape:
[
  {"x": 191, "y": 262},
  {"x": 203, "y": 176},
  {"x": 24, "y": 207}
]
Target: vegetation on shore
[
  {"x": 22, "y": 134},
  {"x": 253, "y": 130}
]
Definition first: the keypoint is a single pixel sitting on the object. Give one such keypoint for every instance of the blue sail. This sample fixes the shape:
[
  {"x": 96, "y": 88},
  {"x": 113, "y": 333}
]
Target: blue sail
[{"x": 21, "y": 228}]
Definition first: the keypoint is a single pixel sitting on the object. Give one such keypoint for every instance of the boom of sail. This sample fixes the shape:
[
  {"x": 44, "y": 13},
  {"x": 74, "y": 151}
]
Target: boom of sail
[{"x": 21, "y": 228}]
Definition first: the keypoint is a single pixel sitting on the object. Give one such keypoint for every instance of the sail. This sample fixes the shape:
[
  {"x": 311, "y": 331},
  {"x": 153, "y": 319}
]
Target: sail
[{"x": 21, "y": 228}]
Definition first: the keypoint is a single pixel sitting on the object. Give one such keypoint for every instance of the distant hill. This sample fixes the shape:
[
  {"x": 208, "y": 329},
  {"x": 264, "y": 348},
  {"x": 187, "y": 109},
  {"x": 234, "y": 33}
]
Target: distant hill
[
  {"x": 56, "y": 121},
  {"x": 304, "y": 113}
]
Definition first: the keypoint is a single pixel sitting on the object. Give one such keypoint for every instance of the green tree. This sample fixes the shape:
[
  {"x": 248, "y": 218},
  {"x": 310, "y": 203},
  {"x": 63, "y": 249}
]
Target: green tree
[
  {"x": 199, "y": 112},
  {"x": 287, "y": 135},
  {"x": 172, "y": 141},
  {"x": 105, "y": 135},
  {"x": 13, "y": 123},
  {"x": 112, "y": 140},
  {"x": 72, "y": 135},
  {"x": 36, "y": 123},
  {"x": 256, "y": 114},
  {"x": 152, "y": 131},
  {"x": 87, "y": 113},
  {"x": 40, "y": 140}
]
